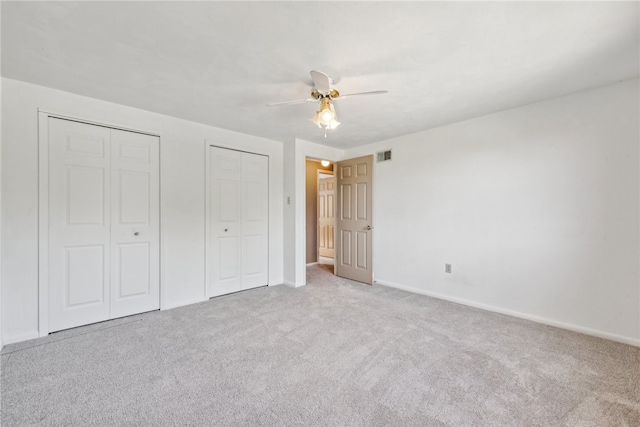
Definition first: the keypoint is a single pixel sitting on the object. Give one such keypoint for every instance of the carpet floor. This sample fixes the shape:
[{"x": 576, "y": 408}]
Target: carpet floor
[{"x": 332, "y": 353}]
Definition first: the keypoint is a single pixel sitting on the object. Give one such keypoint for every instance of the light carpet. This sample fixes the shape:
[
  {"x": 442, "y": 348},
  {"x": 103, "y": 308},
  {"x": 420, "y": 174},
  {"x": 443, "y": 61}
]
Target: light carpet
[{"x": 332, "y": 353}]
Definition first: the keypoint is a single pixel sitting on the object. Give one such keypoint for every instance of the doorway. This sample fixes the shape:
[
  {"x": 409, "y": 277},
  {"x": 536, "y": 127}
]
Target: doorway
[
  {"x": 319, "y": 225},
  {"x": 352, "y": 209}
]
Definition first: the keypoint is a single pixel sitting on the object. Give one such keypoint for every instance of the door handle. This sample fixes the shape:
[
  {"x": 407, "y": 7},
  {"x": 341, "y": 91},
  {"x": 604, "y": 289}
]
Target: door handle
[
  {"x": 369, "y": 227},
  {"x": 136, "y": 233},
  {"x": 226, "y": 229}
]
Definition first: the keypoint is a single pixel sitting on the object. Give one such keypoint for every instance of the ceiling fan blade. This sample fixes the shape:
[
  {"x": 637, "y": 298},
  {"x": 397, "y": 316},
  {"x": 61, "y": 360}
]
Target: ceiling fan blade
[
  {"x": 321, "y": 81},
  {"x": 297, "y": 101},
  {"x": 375, "y": 92}
]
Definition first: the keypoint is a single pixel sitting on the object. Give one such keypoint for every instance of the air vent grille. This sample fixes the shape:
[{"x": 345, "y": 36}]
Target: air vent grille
[{"x": 383, "y": 156}]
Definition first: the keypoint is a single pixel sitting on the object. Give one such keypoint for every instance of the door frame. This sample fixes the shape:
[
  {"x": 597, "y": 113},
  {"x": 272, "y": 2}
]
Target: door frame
[
  {"x": 207, "y": 210},
  {"x": 43, "y": 209},
  {"x": 302, "y": 151}
]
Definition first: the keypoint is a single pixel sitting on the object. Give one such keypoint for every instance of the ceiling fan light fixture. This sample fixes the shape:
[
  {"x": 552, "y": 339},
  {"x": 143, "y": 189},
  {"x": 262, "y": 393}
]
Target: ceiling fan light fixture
[
  {"x": 334, "y": 124},
  {"x": 323, "y": 92},
  {"x": 326, "y": 115}
]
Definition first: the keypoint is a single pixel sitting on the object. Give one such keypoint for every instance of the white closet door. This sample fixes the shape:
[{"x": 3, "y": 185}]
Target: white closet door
[
  {"x": 103, "y": 224},
  {"x": 79, "y": 224},
  {"x": 135, "y": 223},
  {"x": 238, "y": 221},
  {"x": 225, "y": 223},
  {"x": 255, "y": 220}
]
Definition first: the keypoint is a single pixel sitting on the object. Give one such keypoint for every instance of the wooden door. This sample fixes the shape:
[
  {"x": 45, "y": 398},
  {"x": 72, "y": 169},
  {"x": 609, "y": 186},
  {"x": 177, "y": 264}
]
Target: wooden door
[
  {"x": 354, "y": 219},
  {"x": 326, "y": 218}
]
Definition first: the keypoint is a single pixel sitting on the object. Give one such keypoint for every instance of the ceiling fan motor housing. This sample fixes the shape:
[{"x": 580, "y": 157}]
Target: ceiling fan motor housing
[{"x": 333, "y": 93}]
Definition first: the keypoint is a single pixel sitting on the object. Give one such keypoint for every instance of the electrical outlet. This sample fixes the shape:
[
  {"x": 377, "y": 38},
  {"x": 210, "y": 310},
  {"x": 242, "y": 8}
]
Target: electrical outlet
[{"x": 447, "y": 268}]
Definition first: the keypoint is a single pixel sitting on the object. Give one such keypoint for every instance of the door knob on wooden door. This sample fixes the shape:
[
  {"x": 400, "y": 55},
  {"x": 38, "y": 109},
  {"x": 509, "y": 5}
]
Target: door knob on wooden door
[{"x": 369, "y": 227}]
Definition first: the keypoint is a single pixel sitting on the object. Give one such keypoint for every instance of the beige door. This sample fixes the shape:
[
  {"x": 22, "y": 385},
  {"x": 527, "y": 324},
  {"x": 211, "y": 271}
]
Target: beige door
[
  {"x": 354, "y": 222},
  {"x": 326, "y": 218}
]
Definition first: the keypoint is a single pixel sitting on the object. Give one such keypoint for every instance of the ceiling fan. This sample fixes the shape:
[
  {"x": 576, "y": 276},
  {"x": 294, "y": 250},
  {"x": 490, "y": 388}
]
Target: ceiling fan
[{"x": 323, "y": 93}]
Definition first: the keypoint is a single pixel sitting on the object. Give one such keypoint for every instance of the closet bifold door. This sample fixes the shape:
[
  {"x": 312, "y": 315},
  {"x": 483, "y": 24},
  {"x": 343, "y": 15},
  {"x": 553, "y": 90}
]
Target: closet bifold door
[
  {"x": 79, "y": 224},
  {"x": 238, "y": 238},
  {"x": 135, "y": 223},
  {"x": 224, "y": 221},
  {"x": 103, "y": 224},
  {"x": 255, "y": 224}
]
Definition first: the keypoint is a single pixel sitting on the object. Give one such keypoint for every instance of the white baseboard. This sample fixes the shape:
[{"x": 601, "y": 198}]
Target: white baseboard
[
  {"x": 19, "y": 338},
  {"x": 293, "y": 284},
  {"x": 545, "y": 321},
  {"x": 182, "y": 304}
]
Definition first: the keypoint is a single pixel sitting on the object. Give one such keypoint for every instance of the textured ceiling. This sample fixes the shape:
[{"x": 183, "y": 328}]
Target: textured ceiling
[{"x": 219, "y": 63}]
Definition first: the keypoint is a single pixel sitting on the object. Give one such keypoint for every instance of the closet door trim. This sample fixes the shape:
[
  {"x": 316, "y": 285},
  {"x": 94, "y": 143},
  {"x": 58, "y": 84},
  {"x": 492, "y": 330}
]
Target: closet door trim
[{"x": 43, "y": 207}]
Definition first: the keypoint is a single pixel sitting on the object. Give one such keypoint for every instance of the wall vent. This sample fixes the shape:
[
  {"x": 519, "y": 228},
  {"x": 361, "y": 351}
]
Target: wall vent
[{"x": 383, "y": 156}]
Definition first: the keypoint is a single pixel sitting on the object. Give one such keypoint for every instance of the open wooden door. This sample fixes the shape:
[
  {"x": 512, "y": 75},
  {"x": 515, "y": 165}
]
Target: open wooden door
[
  {"x": 354, "y": 224},
  {"x": 326, "y": 218}
]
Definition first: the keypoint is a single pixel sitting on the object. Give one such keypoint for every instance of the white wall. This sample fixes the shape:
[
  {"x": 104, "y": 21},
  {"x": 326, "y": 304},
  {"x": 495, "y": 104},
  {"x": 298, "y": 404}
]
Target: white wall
[
  {"x": 536, "y": 208},
  {"x": 182, "y": 153}
]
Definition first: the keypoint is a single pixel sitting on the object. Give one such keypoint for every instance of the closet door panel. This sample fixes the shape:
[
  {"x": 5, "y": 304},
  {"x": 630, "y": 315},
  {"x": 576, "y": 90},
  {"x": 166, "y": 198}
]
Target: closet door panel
[
  {"x": 135, "y": 223},
  {"x": 79, "y": 222},
  {"x": 255, "y": 220},
  {"x": 225, "y": 238}
]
